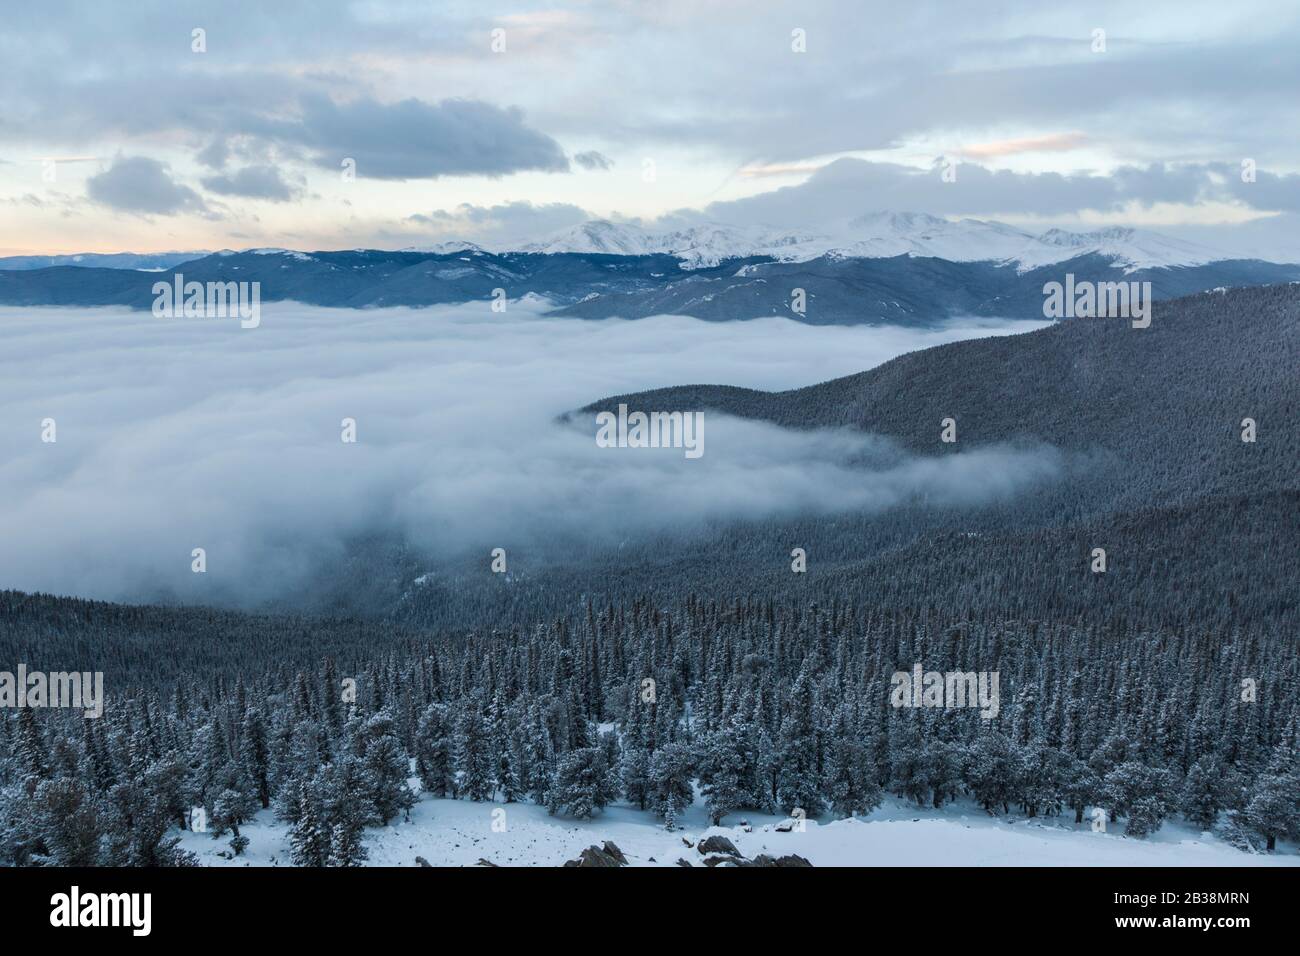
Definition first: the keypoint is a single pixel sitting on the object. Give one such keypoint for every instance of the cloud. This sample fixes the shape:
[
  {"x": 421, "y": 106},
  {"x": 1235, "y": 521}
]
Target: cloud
[
  {"x": 1052, "y": 143},
  {"x": 849, "y": 186},
  {"x": 215, "y": 154},
  {"x": 412, "y": 139},
  {"x": 593, "y": 160},
  {"x": 254, "y": 182},
  {"x": 314, "y": 83},
  {"x": 142, "y": 185},
  {"x": 510, "y": 223},
  {"x": 235, "y": 446}
]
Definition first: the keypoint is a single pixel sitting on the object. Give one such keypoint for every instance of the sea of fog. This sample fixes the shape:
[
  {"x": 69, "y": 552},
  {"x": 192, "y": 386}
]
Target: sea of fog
[{"x": 176, "y": 434}]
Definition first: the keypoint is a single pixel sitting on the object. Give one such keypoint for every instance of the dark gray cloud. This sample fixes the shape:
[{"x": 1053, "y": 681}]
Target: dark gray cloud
[
  {"x": 591, "y": 159},
  {"x": 412, "y": 139},
  {"x": 254, "y": 182},
  {"x": 215, "y": 154},
  {"x": 142, "y": 185}
]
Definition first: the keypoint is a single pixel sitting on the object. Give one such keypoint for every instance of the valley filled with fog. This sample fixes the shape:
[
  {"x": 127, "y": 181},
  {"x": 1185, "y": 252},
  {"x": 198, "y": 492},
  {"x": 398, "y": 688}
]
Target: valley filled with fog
[{"x": 175, "y": 434}]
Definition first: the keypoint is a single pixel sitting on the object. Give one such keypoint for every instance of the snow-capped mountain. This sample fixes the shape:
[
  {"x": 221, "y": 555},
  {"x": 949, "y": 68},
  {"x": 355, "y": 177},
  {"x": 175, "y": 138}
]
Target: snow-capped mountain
[
  {"x": 598, "y": 237},
  {"x": 1136, "y": 248},
  {"x": 885, "y": 234},
  {"x": 881, "y": 235},
  {"x": 698, "y": 247},
  {"x": 445, "y": 248}
]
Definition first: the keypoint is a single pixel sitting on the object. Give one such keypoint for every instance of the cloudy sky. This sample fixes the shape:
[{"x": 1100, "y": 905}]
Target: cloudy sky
[{"x": 121, "y": 128}]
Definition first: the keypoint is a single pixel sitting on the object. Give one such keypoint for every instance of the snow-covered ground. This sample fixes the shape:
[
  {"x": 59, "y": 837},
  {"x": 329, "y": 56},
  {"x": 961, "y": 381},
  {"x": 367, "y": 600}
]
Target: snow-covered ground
[{"x": 460, "y": 833}]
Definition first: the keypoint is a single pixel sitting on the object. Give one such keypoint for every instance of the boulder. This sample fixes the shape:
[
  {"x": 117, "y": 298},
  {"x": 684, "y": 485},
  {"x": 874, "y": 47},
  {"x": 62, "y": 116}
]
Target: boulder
[
  {"x": 599, "y": 856},
  {"x": 718, "y": 844},
  {"x": 609, "y": 847}
]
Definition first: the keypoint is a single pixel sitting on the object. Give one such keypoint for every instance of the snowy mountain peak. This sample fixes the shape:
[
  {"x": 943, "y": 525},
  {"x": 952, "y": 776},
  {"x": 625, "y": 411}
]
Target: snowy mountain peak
[
  {"x": 877, "y": 234},
  {"x": 1133, "y": 248},
  {"x": 1060, "y": 237},
  {"x": 889, "y": 221},
  {"x": 446, "y": 248},
  {"x": 597, "y": 236}
]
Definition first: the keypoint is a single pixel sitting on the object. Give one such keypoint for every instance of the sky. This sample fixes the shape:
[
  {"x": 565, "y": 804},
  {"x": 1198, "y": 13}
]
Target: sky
[{"x": 156, "y": 126}]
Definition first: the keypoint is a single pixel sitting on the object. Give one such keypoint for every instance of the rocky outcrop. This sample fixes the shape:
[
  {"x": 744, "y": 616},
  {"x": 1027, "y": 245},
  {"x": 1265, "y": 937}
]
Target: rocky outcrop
[
  {"x": 763, "y": 859},
  {"x": 714, "y": 851},
  {"x": 717, "y": 844},
  {"x": 606, "y": 855}
]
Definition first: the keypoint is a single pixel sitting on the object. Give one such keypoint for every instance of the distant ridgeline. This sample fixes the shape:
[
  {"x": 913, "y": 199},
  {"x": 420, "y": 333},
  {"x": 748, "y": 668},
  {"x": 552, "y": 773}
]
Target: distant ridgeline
[{"x": 829, "y": 290}]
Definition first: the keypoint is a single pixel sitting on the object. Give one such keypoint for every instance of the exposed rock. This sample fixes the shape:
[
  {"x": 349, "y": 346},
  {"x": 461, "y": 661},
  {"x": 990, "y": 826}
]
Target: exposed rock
[
  {"x": 421, "y": 861},
  {"x": 714, "y": 850},
  {"x": 718, "y": 844},
  {"x": 688, "y": 843},
  {"x": 609, "y": 847},
  {"x": 483, "y": 862},
  {"x": 764, "y": 860},
  {"x": 598, "y": 856}
]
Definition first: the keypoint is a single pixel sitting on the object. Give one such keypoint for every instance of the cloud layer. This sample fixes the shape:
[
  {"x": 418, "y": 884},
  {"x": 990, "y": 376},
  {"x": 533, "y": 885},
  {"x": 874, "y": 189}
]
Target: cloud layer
[
  {"x": 177, "y": 434},
  {"x": 1147, "y": 129}
]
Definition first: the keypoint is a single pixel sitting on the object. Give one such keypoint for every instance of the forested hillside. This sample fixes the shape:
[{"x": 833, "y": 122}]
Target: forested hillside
[
  {"x": 766, "y": 706},
  {"x": 1197, "y": 524},
  {"x": 1165, "y": 402},
  {"x": 1169, "y": 683}
]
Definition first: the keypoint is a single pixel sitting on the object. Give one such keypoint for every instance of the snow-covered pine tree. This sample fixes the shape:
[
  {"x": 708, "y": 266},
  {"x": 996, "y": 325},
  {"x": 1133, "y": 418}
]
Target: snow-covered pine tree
[
  {"x": 473, "y": 753},
  {"x": 435, "y": 751},
  {"x": 310, "y": 836}
]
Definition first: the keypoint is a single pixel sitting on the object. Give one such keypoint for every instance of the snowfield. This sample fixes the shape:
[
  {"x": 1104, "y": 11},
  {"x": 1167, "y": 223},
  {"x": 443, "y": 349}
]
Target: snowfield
[{"x": 460, "y": 833}]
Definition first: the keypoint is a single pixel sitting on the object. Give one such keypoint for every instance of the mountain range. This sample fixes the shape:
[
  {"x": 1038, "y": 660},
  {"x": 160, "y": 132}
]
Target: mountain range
[
  {"x": 144, "y": 262},
  {"x": 882, "y": 235},
  {"x": 884, "y": 268}
]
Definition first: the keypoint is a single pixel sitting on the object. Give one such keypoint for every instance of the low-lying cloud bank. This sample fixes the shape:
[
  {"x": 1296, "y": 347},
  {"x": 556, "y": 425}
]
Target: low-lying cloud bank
[{"x": 181, "y": 434}]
